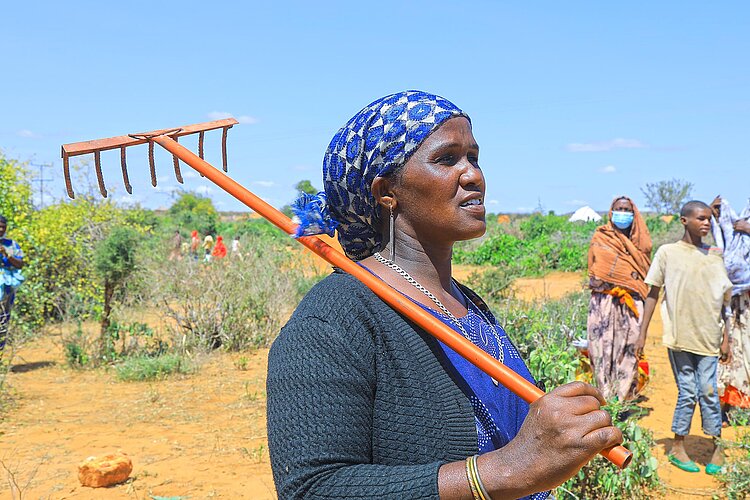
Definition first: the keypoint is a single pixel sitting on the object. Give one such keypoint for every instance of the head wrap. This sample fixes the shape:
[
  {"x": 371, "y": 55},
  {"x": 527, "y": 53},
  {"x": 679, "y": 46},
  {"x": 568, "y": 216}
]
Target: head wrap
[
  {"x": 376, "y": 142},
  {"x": 619, "y": 259},
  {"x": 3, "y": 219}
]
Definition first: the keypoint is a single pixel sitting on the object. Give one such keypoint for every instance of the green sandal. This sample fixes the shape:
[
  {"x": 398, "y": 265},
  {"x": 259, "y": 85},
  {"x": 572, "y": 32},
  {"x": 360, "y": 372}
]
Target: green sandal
[
  {"x": 713, "y": 469},
  {"x": 688, "y": 466}
]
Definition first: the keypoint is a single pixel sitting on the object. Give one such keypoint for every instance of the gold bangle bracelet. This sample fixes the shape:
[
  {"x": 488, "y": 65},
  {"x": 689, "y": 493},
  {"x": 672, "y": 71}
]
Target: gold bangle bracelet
[
  {"x": 472, "y": 484},
  {"x": 478, "y": 480}
]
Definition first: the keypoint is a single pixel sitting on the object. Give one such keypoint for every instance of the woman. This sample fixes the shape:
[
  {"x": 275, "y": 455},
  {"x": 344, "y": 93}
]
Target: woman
[
  {"x": 732, "y": 234},
  {"x": 208, "y": 246},
  {"x": 619, "y": 258},
  {"x": 220, "y": 249},
  {"x": 361, "y": 403},
  {"x": 195, "y": 244},
  {"x": 11, "y": 263}
]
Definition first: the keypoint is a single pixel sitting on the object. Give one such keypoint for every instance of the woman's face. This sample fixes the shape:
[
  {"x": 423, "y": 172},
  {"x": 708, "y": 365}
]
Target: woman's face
[
  {"x": 440, "y": 191},
  {"x": 622, "y": 205},
  {"x": 3, "y": 228}
]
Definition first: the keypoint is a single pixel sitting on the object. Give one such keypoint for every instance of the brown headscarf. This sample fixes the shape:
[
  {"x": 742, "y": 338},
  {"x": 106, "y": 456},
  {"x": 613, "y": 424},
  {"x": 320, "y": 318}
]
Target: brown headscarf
[{"x": 618, "y": 259}]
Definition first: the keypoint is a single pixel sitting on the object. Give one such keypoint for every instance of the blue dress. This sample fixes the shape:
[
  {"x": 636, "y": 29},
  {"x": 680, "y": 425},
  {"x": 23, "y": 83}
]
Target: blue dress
[{"x": 498, "y": 413}]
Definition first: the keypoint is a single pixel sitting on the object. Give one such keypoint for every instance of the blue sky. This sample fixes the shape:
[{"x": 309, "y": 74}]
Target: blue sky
[{"x": 572, "y": 102}]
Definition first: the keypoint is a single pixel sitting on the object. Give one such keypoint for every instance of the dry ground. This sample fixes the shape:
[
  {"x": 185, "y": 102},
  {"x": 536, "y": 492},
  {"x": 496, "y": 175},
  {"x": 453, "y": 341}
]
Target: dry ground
[{"x": 203, "y": 436}]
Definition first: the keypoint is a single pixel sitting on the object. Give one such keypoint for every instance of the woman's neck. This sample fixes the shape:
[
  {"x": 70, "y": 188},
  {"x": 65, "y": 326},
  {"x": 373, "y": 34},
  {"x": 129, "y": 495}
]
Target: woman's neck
[{"x": 429, "y": 264}]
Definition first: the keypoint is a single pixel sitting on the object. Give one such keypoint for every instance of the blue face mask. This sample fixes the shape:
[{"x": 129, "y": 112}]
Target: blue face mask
[{"x": 623, "y": 220}]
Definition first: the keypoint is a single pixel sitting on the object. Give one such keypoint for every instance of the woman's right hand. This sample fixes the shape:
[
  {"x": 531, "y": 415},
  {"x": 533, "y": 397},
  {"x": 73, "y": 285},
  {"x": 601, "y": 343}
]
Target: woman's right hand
[{"x": 563, "y": 431}]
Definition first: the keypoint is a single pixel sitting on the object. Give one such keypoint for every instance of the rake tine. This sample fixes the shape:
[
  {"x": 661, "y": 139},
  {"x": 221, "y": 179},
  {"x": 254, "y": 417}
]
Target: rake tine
[
  {"x": 66, "y": 174},
  {"x": 151, "y": 164},
  {"x": 224, "y": 147},
  {"x": 201, "y": 135},
  {"x": 99, "y": 176},
  {"x": 176, "y": 160},
  {"x": 124, "y": 167}
]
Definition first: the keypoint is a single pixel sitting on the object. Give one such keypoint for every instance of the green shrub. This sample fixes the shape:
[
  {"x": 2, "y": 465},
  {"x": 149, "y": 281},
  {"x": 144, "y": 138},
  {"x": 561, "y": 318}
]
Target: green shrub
[
  {"x": 141, "y": 368},
  {"x": 494, "y": 284},
  {"x": 601, "y": 479},
  {"x": 115, "y": 261},
  {"x": 543, "y": 243},
  {"x": 77, "y": 348},
  {"x": 735, "y": 477},
  {"x": 543, "y": 332}
]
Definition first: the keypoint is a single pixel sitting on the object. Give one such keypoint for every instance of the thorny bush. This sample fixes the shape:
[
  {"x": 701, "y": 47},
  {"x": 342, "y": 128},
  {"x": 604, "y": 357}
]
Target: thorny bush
[{"x": 232, "y": 303}]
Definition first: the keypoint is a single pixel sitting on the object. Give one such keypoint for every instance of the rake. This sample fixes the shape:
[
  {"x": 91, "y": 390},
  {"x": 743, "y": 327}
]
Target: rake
[{"x": 168, "y": 139}]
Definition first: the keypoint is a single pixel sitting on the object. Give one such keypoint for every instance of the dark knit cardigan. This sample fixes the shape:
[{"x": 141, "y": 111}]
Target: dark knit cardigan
[{"x": 361, "y": 403}]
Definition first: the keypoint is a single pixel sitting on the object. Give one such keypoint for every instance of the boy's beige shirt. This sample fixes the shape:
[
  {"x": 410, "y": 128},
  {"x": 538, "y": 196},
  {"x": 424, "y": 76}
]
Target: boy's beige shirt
[{"x": 696, "y": 287}]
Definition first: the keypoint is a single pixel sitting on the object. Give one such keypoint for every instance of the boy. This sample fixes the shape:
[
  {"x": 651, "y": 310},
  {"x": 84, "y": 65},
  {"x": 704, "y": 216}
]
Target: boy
[{"x": 696, "y": 294}]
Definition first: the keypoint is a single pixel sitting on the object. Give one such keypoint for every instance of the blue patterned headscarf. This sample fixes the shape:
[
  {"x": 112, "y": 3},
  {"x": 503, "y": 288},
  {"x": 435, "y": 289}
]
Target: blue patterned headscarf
[{"x": 376, "y": 142}]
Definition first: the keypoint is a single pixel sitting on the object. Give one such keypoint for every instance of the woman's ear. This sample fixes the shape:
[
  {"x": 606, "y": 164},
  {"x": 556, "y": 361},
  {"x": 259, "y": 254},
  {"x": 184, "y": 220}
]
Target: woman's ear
[{"x": 381, "y": 190}]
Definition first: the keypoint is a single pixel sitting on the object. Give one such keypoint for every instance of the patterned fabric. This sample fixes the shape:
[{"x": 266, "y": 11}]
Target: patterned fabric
[
  {"x": 10, "y": 279},
  {"x": 736, "y": 246},
  {"x": 621, "y": 259},
  {"x": 613, "y": 332},
  {"x": 498, "y": 413},
  {"x": 734, "y": 378},
  {"x": 376, "y": 142}
]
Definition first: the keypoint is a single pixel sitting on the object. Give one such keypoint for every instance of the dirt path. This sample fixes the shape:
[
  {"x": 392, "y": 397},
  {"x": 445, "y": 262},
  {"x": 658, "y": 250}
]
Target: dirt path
[
  {"x": 203, "y": 436},
  {"x": 197, "y": 436}
]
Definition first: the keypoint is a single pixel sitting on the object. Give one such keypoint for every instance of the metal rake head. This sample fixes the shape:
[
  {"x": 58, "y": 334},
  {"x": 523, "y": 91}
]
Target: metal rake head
[{"x": 124, "y": 141}]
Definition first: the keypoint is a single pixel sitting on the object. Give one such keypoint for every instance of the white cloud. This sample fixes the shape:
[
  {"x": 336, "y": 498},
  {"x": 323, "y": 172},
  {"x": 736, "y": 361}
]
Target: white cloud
[
  {"x": 27, "y": 133},
  {"x": 128, "y": 200},
  {"x": 619, "y": 143},
  {"x": 189, "y": 174},
  {"x": 204, "y": 190},
  {"x": 576, "y": 203},
  {"x": 492, "y": 202},
  {"x": 609, "y": 169},
  {"x": 164, "y": 188},
  {"x": 220, "y": 115},
  {"x": 266, "y": 184}
]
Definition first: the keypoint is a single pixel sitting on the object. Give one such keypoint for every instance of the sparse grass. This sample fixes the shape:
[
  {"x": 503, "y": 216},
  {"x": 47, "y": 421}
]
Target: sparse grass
[
  {"x": 152, "y": 368},
  {"x": 242, "y": 363}
]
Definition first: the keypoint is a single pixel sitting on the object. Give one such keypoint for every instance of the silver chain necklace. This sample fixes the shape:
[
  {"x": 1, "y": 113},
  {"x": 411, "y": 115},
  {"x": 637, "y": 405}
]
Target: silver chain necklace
[{"x": 443, "y": 309}]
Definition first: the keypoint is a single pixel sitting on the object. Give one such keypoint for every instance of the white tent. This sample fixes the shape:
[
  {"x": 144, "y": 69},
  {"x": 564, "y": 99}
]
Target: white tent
[{"x": 585, "y": 214}]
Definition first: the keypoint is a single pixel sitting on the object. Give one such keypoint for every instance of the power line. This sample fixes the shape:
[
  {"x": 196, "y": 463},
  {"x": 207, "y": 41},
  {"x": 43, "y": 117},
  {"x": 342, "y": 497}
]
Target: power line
[{"x": 41, "y": 180}]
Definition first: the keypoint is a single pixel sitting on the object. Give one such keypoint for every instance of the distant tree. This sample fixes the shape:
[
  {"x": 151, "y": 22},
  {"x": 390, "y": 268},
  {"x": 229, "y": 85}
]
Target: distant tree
[
  {"x": 303, "y": 186},
  {"x": 15, "y": 194},
  {"x": 191, "y": 211},
  {"x": 667, "y": 197},
  {"x": 115, "y": 261}
]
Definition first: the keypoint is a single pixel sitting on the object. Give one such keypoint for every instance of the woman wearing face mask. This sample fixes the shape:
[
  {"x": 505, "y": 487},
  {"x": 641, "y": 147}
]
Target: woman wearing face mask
[{"x": 619, "y": 258}]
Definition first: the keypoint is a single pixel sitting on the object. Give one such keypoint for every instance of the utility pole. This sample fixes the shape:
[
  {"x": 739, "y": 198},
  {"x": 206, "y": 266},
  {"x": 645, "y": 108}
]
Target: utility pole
[{"x": 41, "y": 180}]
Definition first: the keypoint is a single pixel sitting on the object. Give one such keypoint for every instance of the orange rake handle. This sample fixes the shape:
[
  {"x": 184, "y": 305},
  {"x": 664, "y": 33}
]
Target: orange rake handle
[{"x": 618, "y": 455}]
